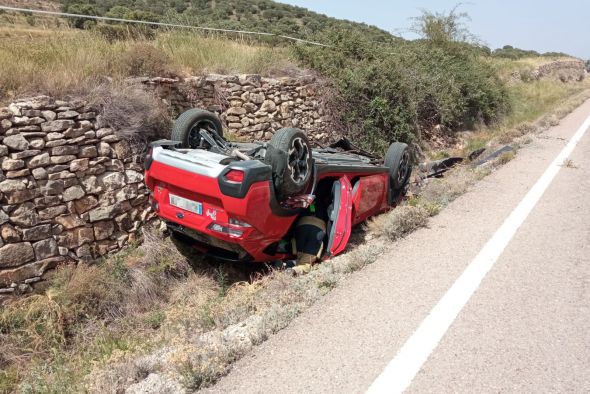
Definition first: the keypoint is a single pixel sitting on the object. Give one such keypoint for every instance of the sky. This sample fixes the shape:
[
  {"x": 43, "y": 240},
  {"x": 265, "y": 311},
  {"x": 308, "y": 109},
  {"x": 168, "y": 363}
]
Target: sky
[{"x": 542, "y": 25}]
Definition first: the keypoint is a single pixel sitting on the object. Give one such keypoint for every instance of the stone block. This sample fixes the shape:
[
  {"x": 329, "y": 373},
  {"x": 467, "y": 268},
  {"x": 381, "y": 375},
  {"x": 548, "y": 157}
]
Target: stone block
[
  {"x": 70, "y": 221},
  {"x": 57, "y": 125},
  {"x": 10, "y": 234},
  {"x": 41, "y": 160},
  {"x": 45, "y": 249},
  {"x": 73, "y": 193},
  {"x": 37, "y": 233},
  {"x": 103, "y": 230},
  {"x": 13, "y": 255},
  {"x": 25, "y": 215},
  {"x": 16, "y": 142}
]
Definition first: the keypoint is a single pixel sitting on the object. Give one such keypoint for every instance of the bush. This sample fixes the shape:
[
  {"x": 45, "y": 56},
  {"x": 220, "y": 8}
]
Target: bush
[
  {"x": 81, "y": 9},
  {"x": 390, "y": 92},
  {"x": 136, "y": 114},
  {"x": 144, "y": 59}
]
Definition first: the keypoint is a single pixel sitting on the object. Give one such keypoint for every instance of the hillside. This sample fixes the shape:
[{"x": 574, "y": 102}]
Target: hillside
[
  {"x": 256, "y": 15},
  {"x": 385, "y": 88}
]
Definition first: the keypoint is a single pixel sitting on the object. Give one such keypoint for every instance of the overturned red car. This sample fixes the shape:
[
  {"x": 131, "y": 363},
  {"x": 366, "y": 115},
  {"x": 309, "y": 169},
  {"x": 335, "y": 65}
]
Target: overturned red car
[{"x": 239, "y": 201}]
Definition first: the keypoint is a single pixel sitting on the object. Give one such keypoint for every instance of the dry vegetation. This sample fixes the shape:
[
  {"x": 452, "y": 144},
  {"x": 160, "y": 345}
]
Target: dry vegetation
[
  {"x": 536, "y": 106},
  {"x": 506, "y": 66},
  {"x": 66, "y": 63}
]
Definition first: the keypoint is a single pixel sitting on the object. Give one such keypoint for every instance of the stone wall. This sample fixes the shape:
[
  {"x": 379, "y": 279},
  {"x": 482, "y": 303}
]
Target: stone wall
[
  {"x": 253, "y": 107},
  {"x": 564, "y": 70},
  {"x": 70, "y": 190}
]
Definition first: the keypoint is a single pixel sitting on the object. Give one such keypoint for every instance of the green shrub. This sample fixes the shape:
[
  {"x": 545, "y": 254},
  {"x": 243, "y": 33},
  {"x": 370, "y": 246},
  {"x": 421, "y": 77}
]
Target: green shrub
[{"x": 389, "y": 92}]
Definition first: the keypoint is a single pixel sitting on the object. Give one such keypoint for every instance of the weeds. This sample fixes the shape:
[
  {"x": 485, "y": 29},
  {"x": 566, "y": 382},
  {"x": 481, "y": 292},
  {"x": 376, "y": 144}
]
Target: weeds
[
  {"x": 76, "y": 62},
  {"x": 133, "y": 112},
  {"x": 400, "y": 222},
  {"x": 569, "y": 163},
  {"x": 506, "y": 157}
]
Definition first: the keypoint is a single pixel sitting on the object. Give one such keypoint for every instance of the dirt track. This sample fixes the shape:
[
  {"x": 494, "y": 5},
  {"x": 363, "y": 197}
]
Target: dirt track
[{"x": 524, "y": 329}]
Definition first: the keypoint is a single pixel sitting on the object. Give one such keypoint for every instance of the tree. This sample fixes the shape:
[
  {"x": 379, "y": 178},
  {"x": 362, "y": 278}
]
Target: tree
[
  {"x": 588, "y": 65},
  {"x": 81, "y": 9},
  {"x": 442, "y": 27},
  {"x": 120, "y": 12}
]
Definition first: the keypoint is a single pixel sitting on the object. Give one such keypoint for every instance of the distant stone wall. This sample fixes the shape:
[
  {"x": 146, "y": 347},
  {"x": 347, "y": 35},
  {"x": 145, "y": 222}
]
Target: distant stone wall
[
  {"x": 564, "y": 70},
  {"x": 251, "y": 106},
  {"x": 70, "y": 189}
]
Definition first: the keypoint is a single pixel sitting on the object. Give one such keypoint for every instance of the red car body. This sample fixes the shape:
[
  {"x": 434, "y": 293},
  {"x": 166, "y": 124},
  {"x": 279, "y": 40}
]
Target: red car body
[{"x": 237, "y": 216}]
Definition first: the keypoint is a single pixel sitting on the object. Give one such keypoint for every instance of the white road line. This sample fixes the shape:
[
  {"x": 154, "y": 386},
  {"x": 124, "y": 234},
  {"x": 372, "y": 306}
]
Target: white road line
[{"x": 400, "y": 371}]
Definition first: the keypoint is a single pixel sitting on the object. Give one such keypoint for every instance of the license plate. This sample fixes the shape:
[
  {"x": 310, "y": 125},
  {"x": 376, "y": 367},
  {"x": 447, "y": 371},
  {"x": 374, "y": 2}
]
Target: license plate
[{"x": 186, "y": 204}]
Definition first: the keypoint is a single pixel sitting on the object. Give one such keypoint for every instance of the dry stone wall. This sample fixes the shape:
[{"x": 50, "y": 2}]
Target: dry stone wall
[
  {"x": 70, "y": 190},
  {"x": 564, "y": 70},
  {"x": 253, "y": 107}
]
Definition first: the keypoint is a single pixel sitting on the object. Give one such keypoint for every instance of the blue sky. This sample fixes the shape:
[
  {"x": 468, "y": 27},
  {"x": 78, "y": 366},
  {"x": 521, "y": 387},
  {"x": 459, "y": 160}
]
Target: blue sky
[{"x": 542, "y": 25}]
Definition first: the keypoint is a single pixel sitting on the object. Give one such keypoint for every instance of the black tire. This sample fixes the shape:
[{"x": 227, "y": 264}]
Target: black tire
[
  {"x": 289, "y": 154},
  {"x": 187, "y": 125},
  {"x": 398, "y": 160}
]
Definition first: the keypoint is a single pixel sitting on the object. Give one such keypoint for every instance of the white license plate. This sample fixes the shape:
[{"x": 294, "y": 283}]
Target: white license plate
[{"x": 186, "y": 204}]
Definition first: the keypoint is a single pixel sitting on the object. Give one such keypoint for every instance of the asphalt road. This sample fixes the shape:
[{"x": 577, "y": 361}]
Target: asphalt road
[{"x": 525, "y": 329}]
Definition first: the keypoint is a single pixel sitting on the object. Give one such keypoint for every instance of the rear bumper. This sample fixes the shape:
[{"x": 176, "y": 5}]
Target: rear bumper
[
  {"x": 253, "y": 204},
  {"x": 211, "y": 246}
]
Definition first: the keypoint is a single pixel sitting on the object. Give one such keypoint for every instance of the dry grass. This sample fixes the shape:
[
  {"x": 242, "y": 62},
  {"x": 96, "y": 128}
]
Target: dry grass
[
  {"x": 396, "y": 225},
  {"x": 505, "y": 67},
  {"x": 538, "y": 106},
  {"x": 72, "y": 62},
  {"x": 506, "y": 157},
  {"x": 132, "y": 111},
  {"x": 534, "y": 99},
  {"x": 87, "y": 314}
]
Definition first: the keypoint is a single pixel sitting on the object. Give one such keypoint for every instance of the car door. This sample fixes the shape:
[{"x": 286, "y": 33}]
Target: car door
[
  {"x": 369, "y": 197},
  {"x": 339, "y": 217}
]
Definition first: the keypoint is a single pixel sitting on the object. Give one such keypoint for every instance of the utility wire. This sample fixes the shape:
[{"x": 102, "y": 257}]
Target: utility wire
[{"x": 106, "y": 18}]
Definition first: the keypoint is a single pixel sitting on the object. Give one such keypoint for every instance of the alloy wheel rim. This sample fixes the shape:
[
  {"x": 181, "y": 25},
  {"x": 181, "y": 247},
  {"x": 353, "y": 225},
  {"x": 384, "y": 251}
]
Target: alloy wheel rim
[{"x": 298, "y": 157}]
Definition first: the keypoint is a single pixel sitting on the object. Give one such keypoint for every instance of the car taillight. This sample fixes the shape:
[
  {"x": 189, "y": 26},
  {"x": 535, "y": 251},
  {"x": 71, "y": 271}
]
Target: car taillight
[
  {"x": 235, "y": 176},
  {"x": 232, "y": 232},
  {"x": 239, "y": 223}
]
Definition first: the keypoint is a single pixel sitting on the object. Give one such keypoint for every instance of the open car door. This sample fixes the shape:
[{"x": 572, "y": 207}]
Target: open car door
[{"x": 340, "y": 217}]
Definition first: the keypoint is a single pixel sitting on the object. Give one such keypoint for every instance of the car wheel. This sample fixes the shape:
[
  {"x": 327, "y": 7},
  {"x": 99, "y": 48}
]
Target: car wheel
[
  {"x": 188, "y": 125},
  {"x": 289, "y": 154},
  {"x": 398, "y": 160}
]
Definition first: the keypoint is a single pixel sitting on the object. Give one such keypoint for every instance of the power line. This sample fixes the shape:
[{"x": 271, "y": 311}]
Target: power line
[{"x": 106, "y": 18}]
